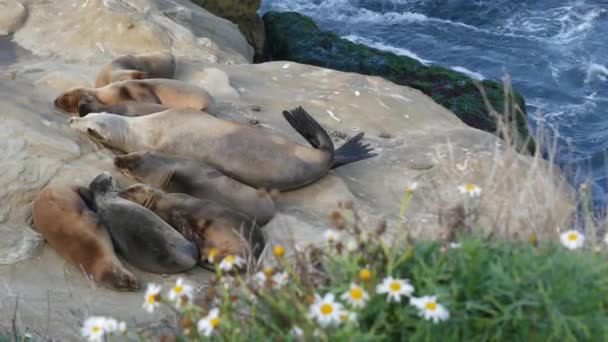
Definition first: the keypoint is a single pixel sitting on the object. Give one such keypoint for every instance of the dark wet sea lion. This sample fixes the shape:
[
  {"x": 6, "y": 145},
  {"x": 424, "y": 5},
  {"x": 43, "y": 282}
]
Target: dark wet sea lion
[
  {"x": 207, "y": 223},
  {"x": 90, "y": 104},
  {"x": 74, "y": 231},
  {"x": 140, "y": 66},
  {"x": 180, "y": 175},
  {"x": 169, "y": 93},
  {"x": 249, "y": 154},
  {"x": 139, "y": 235}
]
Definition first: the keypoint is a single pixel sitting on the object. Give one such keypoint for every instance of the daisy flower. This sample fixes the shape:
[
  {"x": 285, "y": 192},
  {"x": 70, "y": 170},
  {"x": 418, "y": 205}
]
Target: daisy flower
[
  {"x": 93, "y": 328},
  {"x": 111, "y": 325},
  {"x": 356, "y": 296},
  {"x": 179, "y": 290},
  {"x": 152, "y": 297},
  {"x": 347, "y": 316},
  {"x": 296, "y": 331},
  {"x": 230, "y": 261},
  {"x": 211, "y": 254},
  {"x": 352, "y": 245},
  {"x": 429, "y": 309},
  {"x": 470, "y": 189},
  {"x": 280, "y": 279},
  {"x": 326, "y": 310},
  {"x": 259, "y": 278},
  {"x": 572, "y": 239},
  {"x": 395, "y": 288},
  {"x": 365, "y": 274},
  {"x": 411, "y": 187},
  {"x": 122, "y": 327},
  {"x": 209, "y": 323},
  {"x": 331, "y": 236}
]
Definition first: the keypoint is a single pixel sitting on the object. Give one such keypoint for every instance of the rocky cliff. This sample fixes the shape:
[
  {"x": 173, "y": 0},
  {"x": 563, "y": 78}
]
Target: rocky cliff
[{"x": 416, "y": 140}]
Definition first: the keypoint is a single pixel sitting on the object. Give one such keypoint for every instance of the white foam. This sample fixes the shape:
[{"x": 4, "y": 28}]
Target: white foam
[
  {"x": 470, "y": 73},
  {"x": 596, "y": 71},
  {"x": 385, "y": 47}
]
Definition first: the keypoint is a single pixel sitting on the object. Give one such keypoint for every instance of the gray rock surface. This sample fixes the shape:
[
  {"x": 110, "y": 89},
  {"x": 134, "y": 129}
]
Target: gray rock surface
[
  {"x": 415, "y": 138},
  {"x": 12, "y": 16}
]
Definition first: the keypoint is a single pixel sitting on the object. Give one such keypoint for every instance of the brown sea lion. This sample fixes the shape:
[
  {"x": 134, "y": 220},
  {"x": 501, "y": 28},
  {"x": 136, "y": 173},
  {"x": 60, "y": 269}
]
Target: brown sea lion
[
  {"x": 90, "y": 104},
  {"x": 65, "y": 221},
  {"x": 140, "y": 66},
  {"x": 207, "y": 223},
  {"x": 170, "y": 93},
  {"x": 180, "y": 175},
  {"x": 247, "y": 153},
  {"x": 140, "y": 236}
]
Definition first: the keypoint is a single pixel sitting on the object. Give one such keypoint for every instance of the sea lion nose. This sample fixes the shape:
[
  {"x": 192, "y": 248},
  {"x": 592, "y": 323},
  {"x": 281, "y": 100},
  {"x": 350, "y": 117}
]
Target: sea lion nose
[{"x": 72, "y": 120}]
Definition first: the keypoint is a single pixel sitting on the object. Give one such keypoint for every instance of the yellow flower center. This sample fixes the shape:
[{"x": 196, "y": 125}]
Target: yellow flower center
[
  {"x": 212, "y": 253},
  {"x": 365, "y": 274},
  {"x": 572, "y": 237},
  {"x": 356, "y": 293},
  {"x": 268, "y": 271},
  {"x": 96, "y": 329},
  {"x": 151, "y": 298},
  {"x": 343, "y": 317},
  {"x": 178, "y": 288},
  {"x": 215, "y": 321},
  {"x": 229, "y": 259},
  {"x": 326, "y": 309},
  {"x": 395, "y": 286},
  {"x": 278, "y": 250},
  {"x": 431, "y": 306},
  {"x": 470, "y": 187}
]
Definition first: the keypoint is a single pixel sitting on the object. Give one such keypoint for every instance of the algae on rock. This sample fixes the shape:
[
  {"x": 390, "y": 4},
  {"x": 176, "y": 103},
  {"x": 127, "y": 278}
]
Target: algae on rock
[{"x": 296, "y": 37}]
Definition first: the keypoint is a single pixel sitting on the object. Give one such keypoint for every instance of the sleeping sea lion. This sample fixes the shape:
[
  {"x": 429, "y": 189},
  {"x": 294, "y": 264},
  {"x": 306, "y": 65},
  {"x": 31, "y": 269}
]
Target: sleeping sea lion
[
  {"x": 74, "y": 231},
  {"x": 247, "y": 153},
  {"x": 208, "y": 224},
  {"x": 90, "y": 104},
  {"x": 140, "y": 66},
  {"x": 180, "y": 175},
  {"x": 143, "y": 238},
  {"x": 169, "y": 93}
]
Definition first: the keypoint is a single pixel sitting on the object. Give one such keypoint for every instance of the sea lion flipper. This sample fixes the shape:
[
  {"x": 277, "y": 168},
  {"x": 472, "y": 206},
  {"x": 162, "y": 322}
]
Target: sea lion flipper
[
  {"x": 351, "y": 151},
  {"x": 87, "y": 196},
  {"x": 310, "y": 129}
]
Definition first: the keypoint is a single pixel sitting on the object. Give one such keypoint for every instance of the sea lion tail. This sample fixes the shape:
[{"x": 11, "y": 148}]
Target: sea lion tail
[
  {"x": 351, "y": 151},
  {"x": 310, "y": 129}
]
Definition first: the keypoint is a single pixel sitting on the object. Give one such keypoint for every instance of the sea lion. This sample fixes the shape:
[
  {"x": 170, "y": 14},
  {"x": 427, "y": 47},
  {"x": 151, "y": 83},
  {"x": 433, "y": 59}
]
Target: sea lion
[
  {"x": 180, "y": 175},
  {"x": 140, "y": 66},
  {"x": 143, "y": 238},
  {"x": 247, "y": 153},
  {"x": 90, "y": 104},
  {"x": 74, "y": 231},
  {"x": 170, "y": 93},
  {"x": 207, "y": 223}
]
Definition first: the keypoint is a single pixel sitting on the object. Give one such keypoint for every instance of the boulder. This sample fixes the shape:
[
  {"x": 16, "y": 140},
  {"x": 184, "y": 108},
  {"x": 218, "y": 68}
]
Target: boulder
[
  {"x": 416, "y": 140},
  {"x": 12, "y": 16},
  {"x": 97, "y": 30},
  {"x": 244, "y": 14},
  {"x": 295, "y": 37}
]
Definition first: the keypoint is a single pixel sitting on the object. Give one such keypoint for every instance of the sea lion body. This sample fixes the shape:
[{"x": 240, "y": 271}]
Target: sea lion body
[
  {"x": 169, "y": 93},
  {"x": 143, "y": 238},
  {"x": 140, "y": 66},
  {"x": 90, "y": 104},
  {"x": 62, "y": 216},
  {"x": 207, "y": 223},
  {"x": 251, "y": 155},
  {"x": 180, "y": 175}
]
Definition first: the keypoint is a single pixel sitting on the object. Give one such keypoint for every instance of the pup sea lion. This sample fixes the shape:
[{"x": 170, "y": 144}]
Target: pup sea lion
[
  {"x": 75, "y": 232},
  {"x": 180, "y": 175},
  {"x": 140, "y": 66},
  {"x": 143, "y": 238},
  {"x": 249, "y": 154},
  {"x": 90, "y": 104},
  {"x": 208, "y": 224},
  {"x": 169, "y": 93}
]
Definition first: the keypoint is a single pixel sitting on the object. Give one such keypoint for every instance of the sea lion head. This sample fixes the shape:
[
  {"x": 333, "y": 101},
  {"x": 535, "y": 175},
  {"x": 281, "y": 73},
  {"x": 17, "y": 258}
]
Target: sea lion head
[
  {"x": 144, "y": 166},
  {"x": 108, "y": 129},
  {"x": 140, "y": 193},
  {"x": 68, "y": 101},
  {"x": 88, "y": 104},
  {"x": 129, "y": 163},
  {"x": 103, "y": 183}
]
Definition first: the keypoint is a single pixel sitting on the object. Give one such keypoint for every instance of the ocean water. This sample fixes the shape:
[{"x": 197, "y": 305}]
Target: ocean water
[{"x": 555, "y": 52}]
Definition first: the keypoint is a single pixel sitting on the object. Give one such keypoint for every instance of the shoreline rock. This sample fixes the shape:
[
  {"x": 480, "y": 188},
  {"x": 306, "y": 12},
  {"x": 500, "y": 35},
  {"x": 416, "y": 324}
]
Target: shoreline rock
[{"x": 291, "y": 36}]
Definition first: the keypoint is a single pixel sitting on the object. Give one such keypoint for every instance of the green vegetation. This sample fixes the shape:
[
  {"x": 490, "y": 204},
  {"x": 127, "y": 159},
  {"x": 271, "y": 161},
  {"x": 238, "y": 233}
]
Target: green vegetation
[{"x": 295, "y": 37}]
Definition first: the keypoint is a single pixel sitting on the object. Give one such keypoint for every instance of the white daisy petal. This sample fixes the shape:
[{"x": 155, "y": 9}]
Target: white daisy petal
[
  {"x": 356, "y": 296},
  {"x": 429, "y": 309},
  {"x": 93, "y": 328},
  {"x": 326, "y": 310},
  {"x": 395, "y": 288},
  {"x": 471, "y": 190},
  {"x": 231, "y": 261},
  {"x": 151, "y": 301},
  {"x": 209, "y": 323}
]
